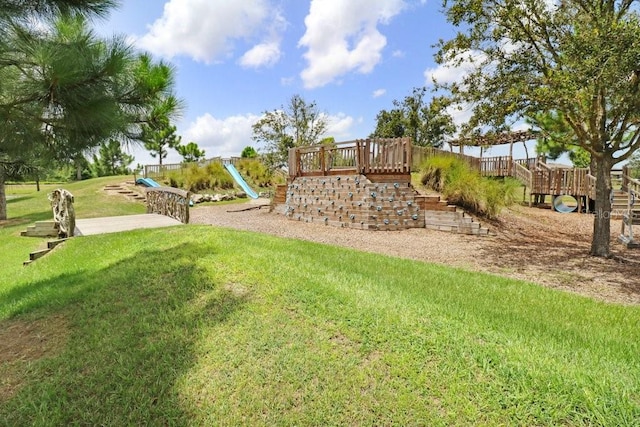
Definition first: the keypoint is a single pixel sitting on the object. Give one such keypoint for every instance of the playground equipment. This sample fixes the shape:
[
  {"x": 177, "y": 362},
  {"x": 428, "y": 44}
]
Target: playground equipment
[
  {"x": 632, "y": 215},
  {"x": 565, "y": 204},
  {"x": 241, "y": 182},
  {"x": 147, "y": 182}
]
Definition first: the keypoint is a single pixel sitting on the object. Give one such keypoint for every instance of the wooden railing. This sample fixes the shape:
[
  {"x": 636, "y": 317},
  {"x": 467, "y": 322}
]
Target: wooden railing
[
  {"x": 629, "y": 183},
  {"x": 496, "y": 166},
  {"x": 64, "y": 214},
  {"x": 368, "y": 156},
  {"x": 522, "y": 174},
  {"x": 557, "y": 181},
  {"x": 169, "y": 201},
  {"x": 155, "y": 171}
]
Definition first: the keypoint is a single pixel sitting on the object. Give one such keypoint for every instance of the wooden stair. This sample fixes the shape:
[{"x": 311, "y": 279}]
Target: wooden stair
[
  {"x": 440, "y": 215},
  {"x": 619, "y": 204},
  {"x": 432, "y": 202},
  {"x": 42, "y": 252},
  {"x": 280, "y": 195},
  {"x": 126, "y": 192}
]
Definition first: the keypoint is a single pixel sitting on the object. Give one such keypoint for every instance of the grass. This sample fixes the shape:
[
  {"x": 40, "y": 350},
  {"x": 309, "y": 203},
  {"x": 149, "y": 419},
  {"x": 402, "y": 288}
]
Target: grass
[
  {"x": 197, "y": 325},
  {"x": 25, "y": 206}
]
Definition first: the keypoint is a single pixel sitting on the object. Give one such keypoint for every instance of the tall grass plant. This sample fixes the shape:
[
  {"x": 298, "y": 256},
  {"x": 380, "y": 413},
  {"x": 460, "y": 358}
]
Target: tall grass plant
[{"x": 460, "y": 184}]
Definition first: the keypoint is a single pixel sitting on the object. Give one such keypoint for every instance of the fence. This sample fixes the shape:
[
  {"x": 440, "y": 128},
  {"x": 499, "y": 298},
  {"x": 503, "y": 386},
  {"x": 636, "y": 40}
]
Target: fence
[{"x": 160, "y": 171}]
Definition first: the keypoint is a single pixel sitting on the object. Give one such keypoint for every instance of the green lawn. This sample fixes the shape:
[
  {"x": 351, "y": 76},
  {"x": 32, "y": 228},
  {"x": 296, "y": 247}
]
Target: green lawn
[{"x": 197, "y": 325}]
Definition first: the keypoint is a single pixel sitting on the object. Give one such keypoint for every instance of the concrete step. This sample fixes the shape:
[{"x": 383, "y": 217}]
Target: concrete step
[{"x": 41, "y": 229}]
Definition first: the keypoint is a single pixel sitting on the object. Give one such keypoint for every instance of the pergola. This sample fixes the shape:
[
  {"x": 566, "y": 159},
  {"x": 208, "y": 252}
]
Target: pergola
[{"x": 491, "y": 139}]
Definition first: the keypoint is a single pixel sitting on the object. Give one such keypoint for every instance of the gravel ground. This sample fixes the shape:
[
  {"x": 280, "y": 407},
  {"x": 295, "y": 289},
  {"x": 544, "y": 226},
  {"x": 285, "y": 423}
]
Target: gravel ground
[{"x": 532, "y": 244}]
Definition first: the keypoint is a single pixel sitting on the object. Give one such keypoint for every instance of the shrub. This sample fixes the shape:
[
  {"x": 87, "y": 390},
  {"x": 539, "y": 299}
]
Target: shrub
[
  {"x": 257, "y": 172},
  {"x": 195, "y": 178},
  {"x": 219, "y": 177},
  {"x": 463, "y": 186},
  {"x": 435, "y": 170},
  {"x": 498, "y": 194}
]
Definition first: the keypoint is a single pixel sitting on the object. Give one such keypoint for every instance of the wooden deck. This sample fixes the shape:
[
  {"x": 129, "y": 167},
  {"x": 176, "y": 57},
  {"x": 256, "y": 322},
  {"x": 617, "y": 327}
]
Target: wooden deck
[{"x": 114, "y": 224}]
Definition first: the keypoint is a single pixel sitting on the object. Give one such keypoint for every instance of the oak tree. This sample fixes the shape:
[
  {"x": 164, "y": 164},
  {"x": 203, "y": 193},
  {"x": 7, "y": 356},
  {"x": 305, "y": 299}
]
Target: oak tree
[{"x": 574, "y": 57}]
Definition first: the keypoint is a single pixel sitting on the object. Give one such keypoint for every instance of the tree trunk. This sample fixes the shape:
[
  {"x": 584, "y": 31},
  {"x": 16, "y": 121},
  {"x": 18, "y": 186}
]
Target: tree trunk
[
  {"x": 3, "y": 197},
  {"x": 602, "y": 220}
]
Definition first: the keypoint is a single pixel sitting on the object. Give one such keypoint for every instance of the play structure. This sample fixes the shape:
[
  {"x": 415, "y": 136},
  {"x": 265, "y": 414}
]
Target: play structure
[
  {"x": 366, "y": 184},
  {"x": 362, "y": 184},
  {"x": 240, "y": 181},
  {"x": 228, "y": 163},
  {"x": 147, "y": 182}
]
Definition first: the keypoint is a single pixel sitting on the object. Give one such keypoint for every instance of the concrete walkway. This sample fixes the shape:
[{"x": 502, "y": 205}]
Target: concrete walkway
[{"x": 114, "y": 224}]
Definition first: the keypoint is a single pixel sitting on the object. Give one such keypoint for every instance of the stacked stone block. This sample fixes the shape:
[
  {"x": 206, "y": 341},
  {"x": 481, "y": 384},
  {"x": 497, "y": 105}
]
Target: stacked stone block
[{"x": 355, "y": 202}]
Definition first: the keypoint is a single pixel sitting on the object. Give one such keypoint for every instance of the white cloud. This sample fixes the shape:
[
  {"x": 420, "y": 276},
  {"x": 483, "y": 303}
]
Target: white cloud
[
  {"x": 460, "y": 113},
  {"x": 264, "y": 54},
  {"x": 221, "y": 137},
  {"x": 206, "y": 29},
  {"x": 379, "y": 92},
  {"x": 267, "y": 53},
  {"x": 398, "y": 54},
  {"x": 340, "y": 126},
  {"x": 342, "y": 36},
  {"x": 449, "y": 73}
]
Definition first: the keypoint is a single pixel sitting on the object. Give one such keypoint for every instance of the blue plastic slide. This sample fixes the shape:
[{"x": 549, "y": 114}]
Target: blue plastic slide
[
  {"x": 236, "y": 175},
  {"x": 147, "y": 182}
]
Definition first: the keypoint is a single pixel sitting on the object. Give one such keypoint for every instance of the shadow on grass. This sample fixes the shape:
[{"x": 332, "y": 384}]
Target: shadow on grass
[
  {"x": 30, "y": 218},
  {"x": 133, "y": 330},
  {"x": 15, "y": 199}
]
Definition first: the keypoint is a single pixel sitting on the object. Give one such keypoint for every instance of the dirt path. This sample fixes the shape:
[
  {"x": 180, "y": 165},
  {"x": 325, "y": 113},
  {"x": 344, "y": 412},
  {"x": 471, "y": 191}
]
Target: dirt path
[{"x": 532, "y": 244}]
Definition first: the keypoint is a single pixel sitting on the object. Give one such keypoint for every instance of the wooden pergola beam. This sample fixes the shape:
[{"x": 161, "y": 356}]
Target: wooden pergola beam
[{"x": 494, "y": 139}]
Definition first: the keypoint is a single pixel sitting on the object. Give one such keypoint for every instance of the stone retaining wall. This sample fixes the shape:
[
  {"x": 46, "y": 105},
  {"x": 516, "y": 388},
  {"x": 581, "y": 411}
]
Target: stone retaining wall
[{"x": 355, "y": 202}]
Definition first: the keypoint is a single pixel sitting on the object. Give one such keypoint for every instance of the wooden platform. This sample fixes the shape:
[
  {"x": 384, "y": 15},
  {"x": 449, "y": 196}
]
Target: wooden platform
[{"x": 114, "y": 224}]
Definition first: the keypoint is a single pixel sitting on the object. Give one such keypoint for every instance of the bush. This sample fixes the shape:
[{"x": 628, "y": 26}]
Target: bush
[
  {"x": 257, "y": 172},
  {"x": 435, "y": 170},
  {"x": 499, "y": 194},
  {"x": 195, "y": 178},
  {"x": 465, "y": 187}
]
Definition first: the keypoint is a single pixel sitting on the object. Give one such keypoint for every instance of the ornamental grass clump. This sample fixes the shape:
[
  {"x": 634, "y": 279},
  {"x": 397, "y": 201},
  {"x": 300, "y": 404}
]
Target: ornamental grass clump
[
  {"x": 462, "y": 185},
  {"x": 200, "y": 178},
  {"x": 256, "y": 171}
]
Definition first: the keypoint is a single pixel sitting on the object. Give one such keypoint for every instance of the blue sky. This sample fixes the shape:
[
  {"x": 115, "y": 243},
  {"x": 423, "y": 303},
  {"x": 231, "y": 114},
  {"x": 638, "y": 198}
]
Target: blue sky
[{"x": 235, "y": 60}]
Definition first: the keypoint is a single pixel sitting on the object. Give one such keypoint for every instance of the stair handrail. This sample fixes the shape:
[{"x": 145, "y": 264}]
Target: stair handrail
[
  {"x": 522, "y": 174},
  {"x": 629, "y": 183},
  {"x": 544, "y": 186}
]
